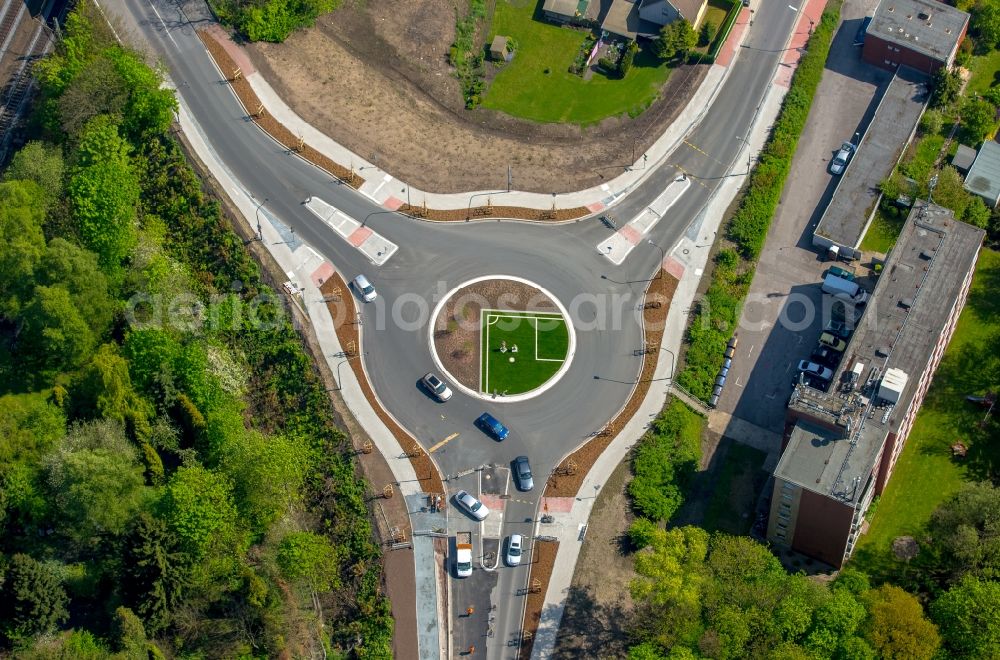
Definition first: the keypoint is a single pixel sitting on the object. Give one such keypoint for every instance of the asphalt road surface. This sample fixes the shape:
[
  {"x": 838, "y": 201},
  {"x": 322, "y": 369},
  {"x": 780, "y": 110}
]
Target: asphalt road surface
[{"x": 433, "y": 258}]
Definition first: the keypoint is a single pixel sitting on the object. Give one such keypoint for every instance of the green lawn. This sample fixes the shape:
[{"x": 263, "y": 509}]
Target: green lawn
[
  {"x": 542, "y": 342},
  {"x": 537, "y": 84},
  {"x": 883, "y": 232},
  {"x": 985, "y": 71},
  {"x": 926, "y": 473},
  {"x": 737, "y": 485}
]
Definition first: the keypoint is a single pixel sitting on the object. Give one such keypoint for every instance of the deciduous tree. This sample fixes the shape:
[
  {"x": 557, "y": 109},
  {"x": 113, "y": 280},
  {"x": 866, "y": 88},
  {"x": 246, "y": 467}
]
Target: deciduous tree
[
  {"x": 676, "y": 39},
  {"x": 897, "y": 628},
  {"x": 968, "y": 616},
  {"x": 309, "y": 558},
  {"x": 22, "y": 242}
]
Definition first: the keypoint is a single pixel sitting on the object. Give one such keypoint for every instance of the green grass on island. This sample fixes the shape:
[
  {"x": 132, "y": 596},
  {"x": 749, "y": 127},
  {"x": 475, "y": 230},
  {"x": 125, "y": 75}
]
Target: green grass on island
[
  {"x": 537, "y": 84},
  {"x": 541, "y": 341},
  {"x": 927, "y": 473}
]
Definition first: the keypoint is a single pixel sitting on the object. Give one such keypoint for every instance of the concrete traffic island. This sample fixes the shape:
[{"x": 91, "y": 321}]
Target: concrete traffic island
[{"x": 501, "y": 338}]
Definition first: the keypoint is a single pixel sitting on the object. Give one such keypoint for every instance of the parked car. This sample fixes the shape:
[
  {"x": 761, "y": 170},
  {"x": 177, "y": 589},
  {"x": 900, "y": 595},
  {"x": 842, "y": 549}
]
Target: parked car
[
  {"x": 472, "y": 506},
  {"x": 436, "y": 387},
  {"x": 364, "y": 288},
  {"x": 843, "y": 273},
  {"x": 838, "y": 328},
  {"x": 839, "y": 162},
  {"x": 492, "y": 426},
  {"x": 843, "y": 289},
  {"x": 813, "y": 369},
  {"x": 515, "y": 546},
  {"x": 826, "y": 356},
  {"x": 834, "y": 342},
  {"x": 522, "y": 472}
]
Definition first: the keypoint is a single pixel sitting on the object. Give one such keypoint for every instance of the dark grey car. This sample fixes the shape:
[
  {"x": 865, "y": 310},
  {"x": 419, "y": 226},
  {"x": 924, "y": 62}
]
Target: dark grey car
[{"x": 522, "y": 472}]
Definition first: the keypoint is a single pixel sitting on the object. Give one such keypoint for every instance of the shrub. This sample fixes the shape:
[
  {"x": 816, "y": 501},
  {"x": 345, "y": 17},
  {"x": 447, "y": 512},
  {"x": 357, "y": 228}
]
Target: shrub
[
  {"x": 932, "y": 122},
  {"x": 665, "y": 460},
  {"x": 625, "y": 63},
  {"x": 607, "y": 64},
  {"x": 641, "y": 533},
  {"x": 707, "y": 33}
]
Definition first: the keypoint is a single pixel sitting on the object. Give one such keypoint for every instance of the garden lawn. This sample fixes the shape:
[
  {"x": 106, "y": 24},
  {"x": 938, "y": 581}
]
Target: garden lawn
[
  {"x": 985, "y": 71},
  {"x": 542, "y": 341},
  {"x": 883, "y": 232},
  {"x": 926, "y": 473},
  {"x": 734, "y": 499},
  {"x": 524, "y": 89}
]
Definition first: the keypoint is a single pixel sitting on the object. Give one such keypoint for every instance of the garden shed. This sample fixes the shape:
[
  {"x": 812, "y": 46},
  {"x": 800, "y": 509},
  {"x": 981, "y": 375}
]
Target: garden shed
[{"x": 499, "y": 52}]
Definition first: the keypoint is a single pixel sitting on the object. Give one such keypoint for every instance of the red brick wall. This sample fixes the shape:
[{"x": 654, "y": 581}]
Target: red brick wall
[
  {"x": 877, "y": 50},
  {"x": 822, "y": 528}
]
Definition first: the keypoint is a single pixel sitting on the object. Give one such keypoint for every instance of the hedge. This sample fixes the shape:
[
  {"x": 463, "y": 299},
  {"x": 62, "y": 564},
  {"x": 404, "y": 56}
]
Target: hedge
[{"x": 720, "y": 308}]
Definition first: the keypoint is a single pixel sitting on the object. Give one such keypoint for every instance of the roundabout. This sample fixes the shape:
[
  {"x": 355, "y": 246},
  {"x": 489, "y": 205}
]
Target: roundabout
[{"x": 502, "y": 338}]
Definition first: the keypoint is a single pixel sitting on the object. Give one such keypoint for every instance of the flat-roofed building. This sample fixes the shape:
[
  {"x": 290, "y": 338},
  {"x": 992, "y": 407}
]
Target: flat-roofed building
[
  {"x": 922, "y": 34},
  {"x": 841, "y": 446}
]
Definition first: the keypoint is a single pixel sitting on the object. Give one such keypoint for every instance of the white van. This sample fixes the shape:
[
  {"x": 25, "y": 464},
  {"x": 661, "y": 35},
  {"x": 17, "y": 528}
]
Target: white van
[{"x": 838, "y": 287}]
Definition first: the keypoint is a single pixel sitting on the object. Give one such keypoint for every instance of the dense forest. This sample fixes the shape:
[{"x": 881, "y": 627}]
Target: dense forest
[{"x": 172, "y": 482}]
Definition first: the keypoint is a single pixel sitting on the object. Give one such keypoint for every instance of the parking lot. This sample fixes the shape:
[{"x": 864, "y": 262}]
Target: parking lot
[{"x": 784, "y": 313}]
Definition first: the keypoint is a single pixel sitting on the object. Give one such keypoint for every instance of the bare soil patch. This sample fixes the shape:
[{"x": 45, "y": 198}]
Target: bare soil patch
[
  {"x": 599, "y": 602},
  {"x": 567, "y": 477},
  {"x": 340, "y": 304},
  {"x": 457, "y": 329},
  {"x": 543, "y": 558},
  {"x": 375, "y": 77}
]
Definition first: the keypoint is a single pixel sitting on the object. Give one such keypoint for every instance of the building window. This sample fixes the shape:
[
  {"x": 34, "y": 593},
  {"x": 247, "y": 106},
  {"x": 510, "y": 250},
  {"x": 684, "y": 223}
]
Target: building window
[
  {"x": 786, "y": 497},
  {"x": 784, "y": 515}
]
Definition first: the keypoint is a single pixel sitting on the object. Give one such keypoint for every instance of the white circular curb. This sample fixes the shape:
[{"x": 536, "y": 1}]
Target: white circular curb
[{"x": 513, "y": 398}]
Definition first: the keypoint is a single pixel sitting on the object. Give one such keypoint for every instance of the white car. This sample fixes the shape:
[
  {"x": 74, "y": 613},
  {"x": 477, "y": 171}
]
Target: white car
[
  {"x": 814, "y": 369},
  {"x": 364, "y": 288},
  {"x": 475, "y": 508},
  {"x": 514, "y": 550},
  {"x": 839, "y": 162},
  {"x": 436, "y": 387}
]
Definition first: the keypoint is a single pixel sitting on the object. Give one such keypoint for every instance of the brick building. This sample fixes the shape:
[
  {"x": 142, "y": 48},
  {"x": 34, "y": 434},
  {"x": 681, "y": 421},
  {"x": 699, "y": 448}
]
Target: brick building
[
  {"x": 922, "y": 34},
  {"x": 840, "y": 446}
]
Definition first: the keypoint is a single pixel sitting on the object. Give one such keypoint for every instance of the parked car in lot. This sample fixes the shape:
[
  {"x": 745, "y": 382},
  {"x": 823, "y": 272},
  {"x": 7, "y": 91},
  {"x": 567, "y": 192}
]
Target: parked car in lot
[
  {"x": 839, "y": 162},
  {"x": 838, "y": 328},
  {"x": 843, "y": 273},
  {"x": 825, "y": 356},
  {"x": 492, "y": 426},
  {"x": 813, "y": 369},
  {"x": 522, "y": 472},
  {"x": 515, "y": 547},
  {"x": 472, "y": 506},
  {"x": 833, "y": 341},
  {"x": 364, "y": 288},
  {"x": 844, "y": 290},
  {"x": 437, "y": 387}
]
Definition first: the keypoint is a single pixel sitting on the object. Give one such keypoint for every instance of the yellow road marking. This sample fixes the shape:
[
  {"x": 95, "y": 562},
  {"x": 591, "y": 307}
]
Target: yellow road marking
[
  {"x": 442, "y": 443},
  {"x": 703, "y": 153},
  {"x": 690, "y": 176}
]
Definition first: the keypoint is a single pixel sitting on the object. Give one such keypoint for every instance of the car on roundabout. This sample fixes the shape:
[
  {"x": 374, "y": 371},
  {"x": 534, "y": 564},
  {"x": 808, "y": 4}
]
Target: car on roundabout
[
  {"x": 522, "y": 472},
  {"x": 492, "y": 426},
  {"x": 436, "y": 387},
  {"x": 364, "y": 288},
  {"x": 471, "y": 505}
]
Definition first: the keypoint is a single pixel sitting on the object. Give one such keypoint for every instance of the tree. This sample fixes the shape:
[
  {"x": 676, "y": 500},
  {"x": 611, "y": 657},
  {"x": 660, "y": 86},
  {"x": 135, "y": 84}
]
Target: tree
[
  {"x": 707, "y": 33},
  {"x": 835, "y": 623},
  {"x": 155, "y": 572},
  {"x": 676, "y": 39},
  {"x": 977, "y": 213},
  {"x": 42, "y": 164},
  {"x": 22, "y": 242},
  {"x": 55, "y": 335},
  {"x": 945, "y": 87},
  {"x": 625, "y": 63},
  {"x": 963, "y": 533},
  {"x": 96, "y": 481},
  {"x": 104, "y": 192},
  {"x": 896, "y": 625},
  {"x": 986, "y": 23},
  {"x": 199, "y": 509},
  {"x": 76, "y": 270},
  {"x": 931, "y": 122},
  {"x": 268, "y": 473},
  {"x": 309, "y": 558},
  {"x": 104, "y": 389},
  {"x": 978, "y": 118},
  {"x": 967, "y": 615},
  {"x": 29, "y": 425},
  {"x": 33, "y": 601},
  {"x": 129, "y": 633}
]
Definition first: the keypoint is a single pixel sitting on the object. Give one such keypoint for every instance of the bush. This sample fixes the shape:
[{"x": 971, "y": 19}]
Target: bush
[
  {"x": 932, "y": 122},
  {"x": 707, "y": 33},
  {"x": 625, "y": 63},
  {"x": 607, "y": 64},
  {"x": 945, "y": 87},
  {"x": 641, "y": 533},
  {"x": 665, "y": 460}
]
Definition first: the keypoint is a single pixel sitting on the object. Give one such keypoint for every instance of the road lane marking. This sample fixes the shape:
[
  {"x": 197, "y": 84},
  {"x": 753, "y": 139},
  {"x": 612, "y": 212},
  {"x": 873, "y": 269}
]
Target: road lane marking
[
  {"x": 442, "y": 443},
  {"x": 165, "y": 29}
]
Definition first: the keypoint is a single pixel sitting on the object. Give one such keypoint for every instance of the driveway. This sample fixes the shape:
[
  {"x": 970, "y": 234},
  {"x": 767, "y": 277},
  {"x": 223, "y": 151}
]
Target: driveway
[{"x": 781, "y": 320}]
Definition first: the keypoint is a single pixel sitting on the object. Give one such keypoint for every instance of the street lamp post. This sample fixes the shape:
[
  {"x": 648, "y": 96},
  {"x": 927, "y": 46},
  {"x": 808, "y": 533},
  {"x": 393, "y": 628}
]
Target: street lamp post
[
  {"x": 260, "y": 234},
  {"x": 340, "y": 384},
  {"x": 663, "y": 257},
  {"x": 673, "y": 362}
]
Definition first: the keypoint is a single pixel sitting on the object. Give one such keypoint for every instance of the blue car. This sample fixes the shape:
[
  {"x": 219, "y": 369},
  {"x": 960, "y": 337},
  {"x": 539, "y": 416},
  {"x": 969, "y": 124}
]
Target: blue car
[{"x": 492, "y": 426}]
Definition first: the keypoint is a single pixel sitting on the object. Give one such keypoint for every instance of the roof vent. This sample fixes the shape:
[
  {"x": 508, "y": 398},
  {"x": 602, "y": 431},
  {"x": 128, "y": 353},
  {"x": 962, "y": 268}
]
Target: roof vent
[
  {"x": 947, "y": 30},
  {"x": 924, "y": 16},
  {"x": 906, "y": 303},
  {"x": 927, "y": 254},
  {"x": 892, "y": 9},
  {"x": 882, "y": 351}
]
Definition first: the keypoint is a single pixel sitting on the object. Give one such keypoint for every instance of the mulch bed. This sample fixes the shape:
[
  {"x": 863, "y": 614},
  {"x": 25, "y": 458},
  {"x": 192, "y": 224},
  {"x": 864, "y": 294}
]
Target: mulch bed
[
  {"x": 266, "y": 122},
  {"x": 493, "y": 212},
  {"x": 284, "y": 137},
  {"x": 566, "y": 479},
  {"x": 340, "y": 303},
  {"x": 457, "y": 329},
  {"x": 543, "y": 559}
]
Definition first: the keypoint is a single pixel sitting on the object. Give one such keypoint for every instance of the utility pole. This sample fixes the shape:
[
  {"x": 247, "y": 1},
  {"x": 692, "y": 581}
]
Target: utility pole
[{"x": 510, "y": 178}]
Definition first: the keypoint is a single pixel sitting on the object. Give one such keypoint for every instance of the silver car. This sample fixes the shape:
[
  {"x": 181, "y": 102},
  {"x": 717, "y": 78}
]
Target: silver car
[
  {"x": 839, "y": 162},
  {"x": 436, "y": 386},
  {"x": 364, "y": 288},
  {"x": 814, "y": 369},
  {"x": 474, "y": 507},
  {"x": 522, "y": 471},
  {"x": 514, "y": 550}
]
